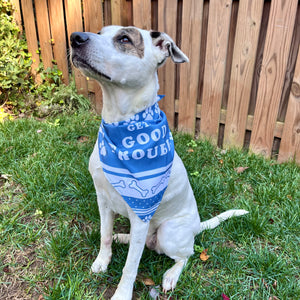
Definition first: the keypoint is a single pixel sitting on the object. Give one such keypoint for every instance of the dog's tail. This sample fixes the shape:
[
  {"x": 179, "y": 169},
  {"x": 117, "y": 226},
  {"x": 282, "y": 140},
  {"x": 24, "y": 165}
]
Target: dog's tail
[{"x": 215, "y": 221}]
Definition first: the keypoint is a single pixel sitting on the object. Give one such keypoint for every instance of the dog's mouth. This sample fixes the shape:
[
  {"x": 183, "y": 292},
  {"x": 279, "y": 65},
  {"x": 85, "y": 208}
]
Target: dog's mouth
[{"x": 83, "y": 65}]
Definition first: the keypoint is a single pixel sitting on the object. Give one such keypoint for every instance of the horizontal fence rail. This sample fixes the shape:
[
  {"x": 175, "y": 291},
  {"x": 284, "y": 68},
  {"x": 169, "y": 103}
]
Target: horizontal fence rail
[{"x": 242, "y": 85}]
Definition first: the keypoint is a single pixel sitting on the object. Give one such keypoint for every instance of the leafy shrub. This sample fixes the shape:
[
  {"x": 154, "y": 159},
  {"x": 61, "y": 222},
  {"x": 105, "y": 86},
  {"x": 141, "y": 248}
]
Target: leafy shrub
[
  {"x": 18, "y": 90},
  {"x": 15, "y": 61}
]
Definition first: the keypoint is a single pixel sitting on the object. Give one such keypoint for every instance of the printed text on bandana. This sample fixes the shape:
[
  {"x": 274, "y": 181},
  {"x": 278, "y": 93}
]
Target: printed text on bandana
[{"x": 136, "y": 157}]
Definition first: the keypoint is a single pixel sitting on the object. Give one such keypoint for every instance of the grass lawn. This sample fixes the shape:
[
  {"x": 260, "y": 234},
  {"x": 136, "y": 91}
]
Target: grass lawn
[{"x": 49, "y": 221}]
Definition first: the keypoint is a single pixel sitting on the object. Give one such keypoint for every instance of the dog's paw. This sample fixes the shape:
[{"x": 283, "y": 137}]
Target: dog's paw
[
  {"x": 169, "y": 283},
  {"x": 172, "y": 275},
  {"x": 99, "y": 267}
]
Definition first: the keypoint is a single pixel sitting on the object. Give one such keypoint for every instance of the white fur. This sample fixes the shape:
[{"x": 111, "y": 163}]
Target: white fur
[{"x": 132, "y": 87}]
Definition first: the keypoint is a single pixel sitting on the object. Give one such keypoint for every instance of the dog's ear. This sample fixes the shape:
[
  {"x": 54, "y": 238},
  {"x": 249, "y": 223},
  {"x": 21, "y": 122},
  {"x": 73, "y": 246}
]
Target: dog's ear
[{"x": 167, "y": 47}]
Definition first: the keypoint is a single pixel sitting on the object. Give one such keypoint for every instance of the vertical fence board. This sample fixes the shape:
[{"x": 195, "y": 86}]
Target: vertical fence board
[
  {"x": 107, "y": 12},
  {"x": 277, "y": 46},
  {"x": 57, "y": 25},
  {"x": 17, "y": 13},
  {"x": 42, "y": 20},
  {"x": 119, "y": 12},
  {"x": 290, "y": 69},
  {"x": 93, "y": 22},
  {"x": 259, "y": 57},
  {"x": 215, "y": 63},
  {"x": 230, "y": 47},
  {"x": 142, "y": 13},
  {"x": 290, "y": 142},
  {"x": 31, "y": 37},
  {"x": 93, "y": 15},
  {"x": 74, "y": 23},
  {"x": 192, "y": 13},
  {"x": 167, "y": 17},
  {"x": 244, "y": 54}
]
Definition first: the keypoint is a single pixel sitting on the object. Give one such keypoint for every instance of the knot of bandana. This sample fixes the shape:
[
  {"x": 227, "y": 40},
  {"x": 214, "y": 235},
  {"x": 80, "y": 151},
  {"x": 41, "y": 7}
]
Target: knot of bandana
[{"x": 136, "y": 157}]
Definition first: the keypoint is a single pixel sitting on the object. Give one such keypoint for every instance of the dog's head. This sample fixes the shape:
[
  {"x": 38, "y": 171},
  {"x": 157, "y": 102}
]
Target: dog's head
[{"x": 122, "y": 55}]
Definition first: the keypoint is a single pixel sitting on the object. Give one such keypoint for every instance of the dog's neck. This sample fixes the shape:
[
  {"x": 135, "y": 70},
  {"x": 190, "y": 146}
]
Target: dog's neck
[{"x": 121, "y": 103}]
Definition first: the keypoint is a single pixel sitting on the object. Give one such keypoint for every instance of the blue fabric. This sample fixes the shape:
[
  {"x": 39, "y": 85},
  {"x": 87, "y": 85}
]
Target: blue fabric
[{"x": 137, "y": 156}]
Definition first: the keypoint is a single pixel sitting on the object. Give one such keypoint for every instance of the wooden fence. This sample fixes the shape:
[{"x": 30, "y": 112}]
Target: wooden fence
[{"x": 242, "y": 85}]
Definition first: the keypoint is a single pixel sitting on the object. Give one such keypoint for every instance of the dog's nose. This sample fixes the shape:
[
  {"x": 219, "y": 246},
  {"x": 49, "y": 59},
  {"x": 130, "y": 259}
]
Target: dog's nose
[{"x": 78, "y": 38}]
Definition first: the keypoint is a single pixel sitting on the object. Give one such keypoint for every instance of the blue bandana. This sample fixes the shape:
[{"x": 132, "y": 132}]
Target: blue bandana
[{"x": 136, "y": 157}]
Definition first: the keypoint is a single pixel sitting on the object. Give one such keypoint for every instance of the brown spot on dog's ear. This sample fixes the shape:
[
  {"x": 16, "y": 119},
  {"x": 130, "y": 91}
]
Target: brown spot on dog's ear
[{"x": 130, "y": 41}]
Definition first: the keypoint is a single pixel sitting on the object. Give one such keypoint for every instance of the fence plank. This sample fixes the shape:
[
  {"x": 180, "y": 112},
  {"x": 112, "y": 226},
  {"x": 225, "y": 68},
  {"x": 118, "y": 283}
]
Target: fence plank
[
  {"x": 259, "y": 57},
  {"x": 43, "y": 26},
  {"x": 142, "y": 13},
  {"x": 93, "y": 22},
  {"x": 57, "y": 25},
  {"x": 276, "y": 52},
  {"x": 93, "y": 15},
  {"x": 244, "y": 54},
  {"x": 192, "y": 13},
  {"x": 31, "y": 37},
  {"x": 290, "y": 69},
  {"x": 167, "y": 17},
  {"x": 74, "y": 23},
  {"x": 290, "y": 142},
  {"x": 118, "y": 12},
  {"x": 215, "y": 63},
  {"x": 17, "y": 13}
]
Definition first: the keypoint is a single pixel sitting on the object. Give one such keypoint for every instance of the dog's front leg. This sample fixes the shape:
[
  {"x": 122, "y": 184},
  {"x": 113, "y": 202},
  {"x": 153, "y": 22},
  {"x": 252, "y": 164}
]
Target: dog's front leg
[
  {"x": 138, "y": 233},
  {"x": 107, "y": 221}
]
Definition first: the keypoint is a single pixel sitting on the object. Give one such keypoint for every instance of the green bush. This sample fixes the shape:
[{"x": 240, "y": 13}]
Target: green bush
[
  {"x": 15, "y": 61},
  {"x": 18, "y": 90}
]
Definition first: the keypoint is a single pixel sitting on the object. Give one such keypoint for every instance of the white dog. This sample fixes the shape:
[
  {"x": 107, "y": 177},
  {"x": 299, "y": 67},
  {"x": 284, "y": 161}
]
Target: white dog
[{"x": 124, "y": 60}]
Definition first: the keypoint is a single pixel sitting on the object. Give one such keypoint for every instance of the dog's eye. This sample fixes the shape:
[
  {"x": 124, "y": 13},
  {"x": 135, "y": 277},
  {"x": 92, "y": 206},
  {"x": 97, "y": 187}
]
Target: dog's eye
[{"x": 124, "y": 40}]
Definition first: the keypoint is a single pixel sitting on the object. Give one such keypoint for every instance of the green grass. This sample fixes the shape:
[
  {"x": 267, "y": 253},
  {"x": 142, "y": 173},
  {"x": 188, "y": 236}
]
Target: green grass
[{"x": 49, "y": 221}]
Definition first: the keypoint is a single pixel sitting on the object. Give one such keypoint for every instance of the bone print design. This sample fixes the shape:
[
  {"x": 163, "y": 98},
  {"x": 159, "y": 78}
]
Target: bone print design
[
  {"x": 133, "y": 185},
  {"x": 161, "y": 182},
  {"x": 120, "y": 184}
]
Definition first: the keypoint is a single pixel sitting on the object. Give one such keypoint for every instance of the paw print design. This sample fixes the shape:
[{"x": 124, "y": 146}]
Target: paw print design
[
  {"x": 148, "y": 114},
  {"x": 102, "y": 149},
  {"x": 156, "y": 108},
  {"x": 147, "y": 218},
  {"x": 101, "y": 130},
  {"x": 133, "y": 119}
]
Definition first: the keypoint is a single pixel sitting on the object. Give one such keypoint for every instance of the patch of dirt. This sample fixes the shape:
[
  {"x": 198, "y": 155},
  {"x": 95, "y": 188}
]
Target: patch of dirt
[
  {"x": 16, "y": 266},
  {"x": 109, "y": 292}
]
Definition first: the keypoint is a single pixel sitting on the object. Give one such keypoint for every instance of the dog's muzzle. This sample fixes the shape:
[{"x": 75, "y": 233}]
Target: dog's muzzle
[{"x": 78, "y": 39}]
